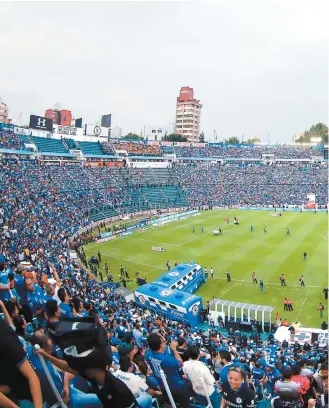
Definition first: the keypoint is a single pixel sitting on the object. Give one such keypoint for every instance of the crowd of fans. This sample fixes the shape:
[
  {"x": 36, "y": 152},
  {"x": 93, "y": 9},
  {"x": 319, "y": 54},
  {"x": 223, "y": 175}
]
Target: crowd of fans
[
  {"x": 42, "y": 290},
  {"x": 9, "y": 140},
  {"x": 138, "y": 149},
  {"x": 275, "y": 184},
  {"x": 225, "y": 151}
]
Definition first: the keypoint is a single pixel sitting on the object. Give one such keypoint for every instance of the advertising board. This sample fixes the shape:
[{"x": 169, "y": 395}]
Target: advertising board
[
  {"x": 97, "y": 131},
  {"x": 40, "y": 122},
  {"x": 68, "y": 130}
]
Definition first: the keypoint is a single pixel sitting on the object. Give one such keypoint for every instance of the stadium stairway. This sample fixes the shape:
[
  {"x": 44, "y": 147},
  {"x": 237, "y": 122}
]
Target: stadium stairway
[
  {"x": 92, "y": 148},
  {"x": 48, "y": 145},
  {"x": 71, "y": 144},
  {"x": 25, "y": 139},
  {"x": 162, "y": 176}
]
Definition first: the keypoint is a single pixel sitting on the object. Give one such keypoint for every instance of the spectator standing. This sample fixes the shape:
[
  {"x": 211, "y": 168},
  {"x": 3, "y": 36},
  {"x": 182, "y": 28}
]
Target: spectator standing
[
  {"x": 16, "y": 372},
  {"x": 319, "y": 381},
  {"x": 158, "y": 359},
  {"x": 200, "y": 377}
]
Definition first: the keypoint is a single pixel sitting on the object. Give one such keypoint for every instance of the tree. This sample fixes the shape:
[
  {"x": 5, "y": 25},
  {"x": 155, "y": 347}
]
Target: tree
[
  {"x": 254, "y": 140},
  {"x": 132, "y": 136},
  {"x": 201, "y": 137},
  {"x": 232, "y": 140},
  {"x": 320, "y": 130},
  {"x": 173, "y": 137}
]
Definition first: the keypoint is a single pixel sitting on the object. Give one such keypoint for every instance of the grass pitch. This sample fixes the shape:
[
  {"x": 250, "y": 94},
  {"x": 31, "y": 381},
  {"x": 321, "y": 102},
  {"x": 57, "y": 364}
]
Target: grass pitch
[{"x": 239, "y": 250}]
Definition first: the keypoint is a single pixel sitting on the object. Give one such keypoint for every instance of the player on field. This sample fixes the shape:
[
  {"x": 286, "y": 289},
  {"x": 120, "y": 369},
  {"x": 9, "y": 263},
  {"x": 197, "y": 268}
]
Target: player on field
[
  {"x": 212, "y": 273},
  {"x": 265, "y": 230},
  {"x": 202, "y": 230},
  {"x": 254, "y": 278},
  {"x": 193, "y": 229},
  {"x": 288, "y": 231},
  {"x": 206, "y": 272},
  {"x": 251, "y": 228},
  {"x": 228, "y": 276},
  {"x": 304, "y": 256},
  {"x": 301, "y": 280},
  {"x": 220, "y": 231},
  {"x": 168, "y": 265},
  {"x": 261, "y": 285},
  {"x": 283, "y": 280}
]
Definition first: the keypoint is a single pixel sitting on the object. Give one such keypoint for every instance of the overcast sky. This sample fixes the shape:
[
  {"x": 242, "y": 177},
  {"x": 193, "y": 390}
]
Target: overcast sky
[{"x": 258, "y": 67}]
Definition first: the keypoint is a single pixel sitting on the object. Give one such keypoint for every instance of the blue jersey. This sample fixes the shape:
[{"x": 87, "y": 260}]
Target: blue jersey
[
  {"x": 20, "y": 289},
  {"x": 169, "y": 365},
  {"x": 4, "y": 294},
  {"x": 258, "y": 374},
  {"x": 36, "y": 300},
  {"x": 66, "y": 310},
  {"x": 57, "y": 377}
]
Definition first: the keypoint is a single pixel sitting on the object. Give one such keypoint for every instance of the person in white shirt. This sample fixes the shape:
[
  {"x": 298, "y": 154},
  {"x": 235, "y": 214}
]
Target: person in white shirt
[
  {"x": 136, "y": 384},
  {"x": 200, "y": 377},
  {"x": 212, "y": 273}
]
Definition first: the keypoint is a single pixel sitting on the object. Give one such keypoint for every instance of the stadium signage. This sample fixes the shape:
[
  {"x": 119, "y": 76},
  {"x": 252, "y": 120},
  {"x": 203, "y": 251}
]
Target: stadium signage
[
  {"x": 40, "y": 122},
  {"x": 6, "y": 127},
  {"x": 124, "y": 234},
  {"x": 99, "y": 241},
  {"x": 106, "y": 234},
  {"x": 68, "y": 130},
  {"x": 97, "y": 131}
]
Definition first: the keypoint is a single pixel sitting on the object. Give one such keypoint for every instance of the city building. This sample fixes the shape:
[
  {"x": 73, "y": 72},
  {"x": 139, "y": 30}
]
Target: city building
[
  {"x": 61, "y": 117},
  {"x": 155, "y": 133},
  {"x": 3, "y": 112},
  {"x": 188, "y": 111},
  {"x": 116, "y": 132}
]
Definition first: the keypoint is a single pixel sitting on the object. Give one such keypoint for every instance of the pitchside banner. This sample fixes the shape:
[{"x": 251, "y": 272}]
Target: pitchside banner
[
  {"x": 40, "y": 122},
  {"x": 310, "y": 201}
]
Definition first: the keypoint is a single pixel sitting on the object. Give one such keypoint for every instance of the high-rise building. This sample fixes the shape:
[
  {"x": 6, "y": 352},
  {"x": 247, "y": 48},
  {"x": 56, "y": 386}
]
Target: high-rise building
[
  {"x": 59, "y": 117},
  {"x": 3, "y": 112},
  {"x": 188, "y": 111}
]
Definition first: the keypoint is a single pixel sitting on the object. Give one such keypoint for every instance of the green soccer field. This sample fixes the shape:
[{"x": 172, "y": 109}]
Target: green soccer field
[{"x": 239, "y": 250}]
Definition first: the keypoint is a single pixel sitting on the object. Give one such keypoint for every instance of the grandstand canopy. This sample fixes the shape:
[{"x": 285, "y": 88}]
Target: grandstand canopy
[{"x": 238, "y": 309}]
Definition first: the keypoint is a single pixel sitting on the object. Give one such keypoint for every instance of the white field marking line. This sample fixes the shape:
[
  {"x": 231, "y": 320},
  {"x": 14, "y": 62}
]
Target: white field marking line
[
  {"x": 208, "y": 233},
  {"x": 141, "y": 232},
  {"x": 228, "y": 289},
  {"x": 169, "y": 229},
  {"x": 269, "y": 283},
  {"x": 128, "y": 260},
  {"x": 324, "y": 235},
  {"x": 155, "y": 242},
  {"x": 301, "y": 306}
]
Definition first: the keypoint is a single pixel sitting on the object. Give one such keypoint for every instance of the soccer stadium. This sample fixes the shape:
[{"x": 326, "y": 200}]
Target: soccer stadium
[
  {"x": 164, "y": 244},
  {"x": 219, "y": 250}
]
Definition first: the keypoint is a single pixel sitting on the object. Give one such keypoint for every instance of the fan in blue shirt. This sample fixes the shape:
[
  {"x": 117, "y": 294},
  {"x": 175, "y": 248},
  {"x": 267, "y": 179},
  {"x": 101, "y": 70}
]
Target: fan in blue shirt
[
  {"x": 35, "y": 297},
  {"x": 158, "y": 360}
]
